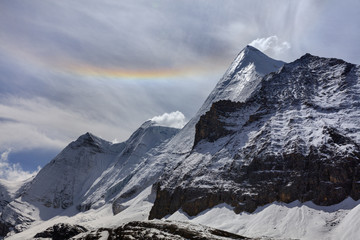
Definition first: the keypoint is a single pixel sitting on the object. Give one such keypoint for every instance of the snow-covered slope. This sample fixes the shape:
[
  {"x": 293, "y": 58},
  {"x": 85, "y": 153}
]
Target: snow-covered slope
[
  {"x": 284, "y": 221},
  {"x": 138, "y": 209},
  {"x": 9, "y": 191},
  {"x": 61, "y": 183},
  {"x": 67, "y": 178},
  {"x": 5, "y": 197},
  {"x": 91, "y": 169},
  {"x": 121, "y": 180},
  {"x": 242, "y": 78}
]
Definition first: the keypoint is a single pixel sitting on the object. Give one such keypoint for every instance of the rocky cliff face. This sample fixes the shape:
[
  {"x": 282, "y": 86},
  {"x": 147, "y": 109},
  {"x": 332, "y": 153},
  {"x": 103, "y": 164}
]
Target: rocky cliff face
[
  {"x": 296, "y": 138},
  {"x": 212, "y": 125}
]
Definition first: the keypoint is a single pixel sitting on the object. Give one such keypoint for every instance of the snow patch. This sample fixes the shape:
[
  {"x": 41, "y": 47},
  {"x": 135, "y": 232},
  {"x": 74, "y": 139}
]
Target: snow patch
[
  {"x": 279, "y": 220},
  {"x": 137, "y": 210}
]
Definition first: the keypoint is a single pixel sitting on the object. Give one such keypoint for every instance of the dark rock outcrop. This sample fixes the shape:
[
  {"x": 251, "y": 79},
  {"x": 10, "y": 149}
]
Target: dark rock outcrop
[
  {"x": 211, "y": 125},
  {"x": 166, "y": 230},
  {"x": 285, "y": 179},
  {"x": 88, "y": 140},
  {"x": 61, "y": 231},
  {"x": 4, "y": 228}
]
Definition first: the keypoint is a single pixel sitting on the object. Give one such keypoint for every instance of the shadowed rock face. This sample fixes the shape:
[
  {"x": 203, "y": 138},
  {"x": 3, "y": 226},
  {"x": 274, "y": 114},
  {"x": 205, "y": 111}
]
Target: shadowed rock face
[
  {"x": 161, "y": 230},
  {"x": 285, "y": 179},
  {"x": 4, "y": 228},
  {"x": 211, "y": 126},
  {"x": 297, "y": 138},
  {"x": 61, "y": 231}
]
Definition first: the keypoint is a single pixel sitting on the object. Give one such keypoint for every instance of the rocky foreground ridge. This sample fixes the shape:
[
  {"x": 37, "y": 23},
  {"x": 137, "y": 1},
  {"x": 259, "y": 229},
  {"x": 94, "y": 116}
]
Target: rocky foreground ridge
[{"x": 166, "y": 230}]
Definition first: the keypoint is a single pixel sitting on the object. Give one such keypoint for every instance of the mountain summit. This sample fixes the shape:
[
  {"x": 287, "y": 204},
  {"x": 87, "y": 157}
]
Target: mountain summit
[
  {"x": 238, "y": 83},
  {"x": 242, "y": 77}
]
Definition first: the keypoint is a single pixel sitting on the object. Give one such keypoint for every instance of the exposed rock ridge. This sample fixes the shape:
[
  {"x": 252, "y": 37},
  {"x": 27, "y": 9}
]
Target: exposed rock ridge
[{"x": 167, "y": 230}]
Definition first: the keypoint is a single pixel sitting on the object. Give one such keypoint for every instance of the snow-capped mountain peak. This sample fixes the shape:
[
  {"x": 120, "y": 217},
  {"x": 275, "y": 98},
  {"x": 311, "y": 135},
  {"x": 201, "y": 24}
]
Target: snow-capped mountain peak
[
  {"x": 90, "y": 140},
  {"x": 251, "y": 55},
  {"x": 239, "y": 82},
  {"x": 88, "y": 137},
  {"x": 115, "y": 182},
  {"x": 242, "y": 77},
  {"x": 147, "y": 136}
]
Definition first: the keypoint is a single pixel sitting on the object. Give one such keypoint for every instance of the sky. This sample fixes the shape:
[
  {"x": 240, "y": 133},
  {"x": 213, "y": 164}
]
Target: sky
[{"x": 105, "y": 67}]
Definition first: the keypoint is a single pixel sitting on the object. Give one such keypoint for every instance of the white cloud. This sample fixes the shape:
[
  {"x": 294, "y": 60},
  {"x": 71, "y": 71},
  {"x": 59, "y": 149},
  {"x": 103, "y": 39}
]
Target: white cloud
[
  {"x": 271, "y": 45},
  {"x": 13, "y": 172},
  {"x": 173, "y": 119}
]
